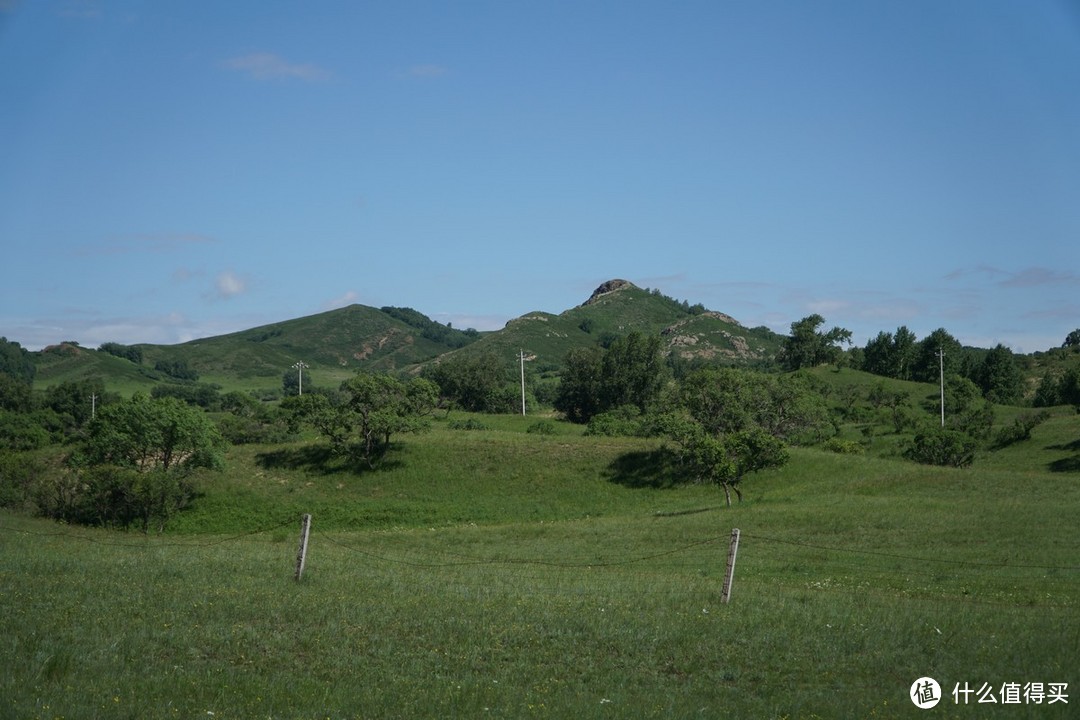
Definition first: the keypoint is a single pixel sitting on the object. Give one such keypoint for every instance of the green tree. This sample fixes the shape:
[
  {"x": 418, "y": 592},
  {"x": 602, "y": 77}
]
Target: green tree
[
  {"x": 730, "y": 423},
  {"x": 476, "y": 383},
  {"x": 360, "y": 420},
  {"x": 724, "y": 459},
  {"x": 16, "y": 361},
  {"x": 146, "y": 434},
  {"x": 138, "y": 459},
  {"x": 75, "y": 401},
  {"x": 578, "y": 393},
  {"x": 999, "y": 377},
  {"x": 809, "y": 347},
  {"x": 890, "y": 355},
  {"x": 630, "y": 371},
  {"x": 127, "y": 352},
  {"x": 15, "y": 394},
  {"x": 1072, "y": 340},
  {"x": 925, "y": 367},
  {"x": 177, "y": 369},
  {"x": 726, "y": 400}
]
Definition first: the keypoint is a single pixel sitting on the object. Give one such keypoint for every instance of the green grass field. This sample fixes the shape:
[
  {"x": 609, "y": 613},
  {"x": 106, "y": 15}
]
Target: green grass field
[{"x": 499, "y": 573}]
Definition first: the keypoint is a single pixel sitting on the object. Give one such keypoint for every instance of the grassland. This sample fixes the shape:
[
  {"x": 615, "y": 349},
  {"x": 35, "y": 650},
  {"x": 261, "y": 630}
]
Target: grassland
[{"x": 501, "y": 573}]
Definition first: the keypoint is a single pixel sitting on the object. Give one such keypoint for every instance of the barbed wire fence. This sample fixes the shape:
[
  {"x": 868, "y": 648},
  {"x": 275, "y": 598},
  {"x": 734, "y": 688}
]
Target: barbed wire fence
[{"x": 695, "y": 568}]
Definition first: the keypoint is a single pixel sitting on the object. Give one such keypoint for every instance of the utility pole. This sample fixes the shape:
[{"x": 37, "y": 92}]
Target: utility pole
[
  {"x": 93, "y": 405},
  {"x": 521, "y": 356},
  {"x": 300, "y": 365},
  {"x": 941, "y": 380}
]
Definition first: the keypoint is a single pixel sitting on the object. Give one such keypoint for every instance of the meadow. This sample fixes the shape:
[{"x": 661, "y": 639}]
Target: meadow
[{"x": 507, "y": 574}]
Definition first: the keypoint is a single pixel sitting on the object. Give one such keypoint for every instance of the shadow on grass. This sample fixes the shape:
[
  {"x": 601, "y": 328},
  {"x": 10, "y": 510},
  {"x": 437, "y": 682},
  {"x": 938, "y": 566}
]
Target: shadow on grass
[
  {"x": 1069, "y": 464},
  {"x": 645, "y": 469},
  {"x": 321, "y": 459},
  {"x": 1074, "y": 445}
]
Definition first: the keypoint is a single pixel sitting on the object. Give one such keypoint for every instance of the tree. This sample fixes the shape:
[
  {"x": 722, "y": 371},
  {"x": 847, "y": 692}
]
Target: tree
[
  {"x": 578, "y": 392},
  {"x": 925, "y": 367},
  {"x": 1072, "y": 340},
  {"x": 75, "y": 401},
  {"x": 726, "y": 458},
  {"x": 177, "y": 368},
  {"x": 138, "y": 458},
  {"x": 726, "y": 400},
  {"x": 146, "y": 434},
  {"x": 808, "y": 347},
  {"x": 999, "y": 377},
  {"x": 890, "y": 355},
  {"x": 734, "y": 422},
  {"x": 16, "y": 361},
  {"x": 127, "y": 352},
  {"x": 369, "y": 409},
  {"x": 476, "y": 383},
  {"x": 630, "y": 371}
]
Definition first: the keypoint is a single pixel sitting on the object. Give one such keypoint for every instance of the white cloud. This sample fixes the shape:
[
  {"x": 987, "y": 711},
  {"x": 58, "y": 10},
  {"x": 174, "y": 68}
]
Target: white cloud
[
  {"x": 268, "y": 66},
  {"x": 228, "y": 284},
  {"x": 341, "y": 301}
]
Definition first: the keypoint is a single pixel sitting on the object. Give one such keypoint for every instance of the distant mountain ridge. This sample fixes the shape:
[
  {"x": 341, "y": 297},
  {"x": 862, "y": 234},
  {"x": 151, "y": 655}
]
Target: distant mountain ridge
[{"x": 336, "y": 343}]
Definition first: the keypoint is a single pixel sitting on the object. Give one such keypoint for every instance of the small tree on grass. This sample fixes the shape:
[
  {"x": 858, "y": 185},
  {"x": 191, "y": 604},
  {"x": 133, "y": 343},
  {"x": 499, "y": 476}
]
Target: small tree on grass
[
  {"x": 726, "y": 458},
  {"x": 369, "y": 409},
  {"x": 731, "y": 423}
]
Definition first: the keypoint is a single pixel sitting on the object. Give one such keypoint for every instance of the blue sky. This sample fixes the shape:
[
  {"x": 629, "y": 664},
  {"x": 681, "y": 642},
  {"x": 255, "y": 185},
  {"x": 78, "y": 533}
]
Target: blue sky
[{"x": 174, "y": 170}]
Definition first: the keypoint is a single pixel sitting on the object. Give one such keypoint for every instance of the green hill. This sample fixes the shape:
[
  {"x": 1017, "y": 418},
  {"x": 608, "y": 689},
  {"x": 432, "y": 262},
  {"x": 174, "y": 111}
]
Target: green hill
[
  {"x": 333, "y": 344},
  {"x": 618, "y": 307},
  {"x": 336, "y": 343}
]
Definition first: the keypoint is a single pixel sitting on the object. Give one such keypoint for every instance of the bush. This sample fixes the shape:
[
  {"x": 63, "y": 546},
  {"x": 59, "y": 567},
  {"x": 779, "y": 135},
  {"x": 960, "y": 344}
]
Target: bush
[
  {"x": 623, "y": 421},
  {"x": 248, "y": 430},
  {"x": 112, "y": 496},
  {"x": 843, "y": 447},
  {"x": 1020, "y": 429},
  {"x": 939, "y": 446},
  {"x": 19, "y": 473},
  {"x": 543, "y": 427}
]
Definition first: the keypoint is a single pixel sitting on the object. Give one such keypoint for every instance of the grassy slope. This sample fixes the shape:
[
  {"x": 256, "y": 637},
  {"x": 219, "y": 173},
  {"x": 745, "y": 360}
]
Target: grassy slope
[{"x": 498, "y": 573}]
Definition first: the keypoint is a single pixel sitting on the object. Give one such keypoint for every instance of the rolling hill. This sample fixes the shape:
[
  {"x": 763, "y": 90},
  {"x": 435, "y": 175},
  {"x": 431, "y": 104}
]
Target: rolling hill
[{"x": 336, "y": 343}]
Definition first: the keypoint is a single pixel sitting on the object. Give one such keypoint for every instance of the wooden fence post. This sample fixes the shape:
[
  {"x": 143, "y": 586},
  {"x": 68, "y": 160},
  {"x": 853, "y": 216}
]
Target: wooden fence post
[
  {"x": 729, "y": 576},
  {"x": 301, "y": 555}
]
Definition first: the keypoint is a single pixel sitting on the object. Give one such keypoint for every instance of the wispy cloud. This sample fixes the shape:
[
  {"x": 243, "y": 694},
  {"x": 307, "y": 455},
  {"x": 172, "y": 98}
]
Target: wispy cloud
[
  {"x": 268, "y": 66},
  {"x": 1026, "y": 278},
  {"x": 127, "y": 244},
  {"x": 228, "y": 284},
  {"x": 1038, "y": 277},
  {"x": 341, "y": 301}
]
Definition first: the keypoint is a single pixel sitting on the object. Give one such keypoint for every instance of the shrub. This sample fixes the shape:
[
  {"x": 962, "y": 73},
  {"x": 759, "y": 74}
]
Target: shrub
[
  {"x": 940, "y": 446},
  {"x": 542, "y": 427},
  {"x": 1020, "y": 429},
  {"x": 843, "y": 447}
]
